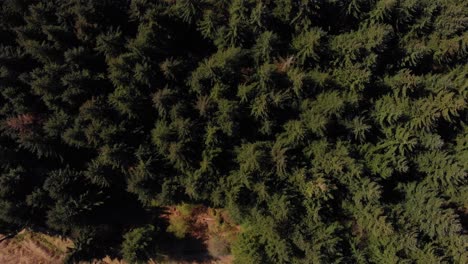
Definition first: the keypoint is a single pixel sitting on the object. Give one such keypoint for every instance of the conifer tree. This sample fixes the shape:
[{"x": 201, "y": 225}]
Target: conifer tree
[{"x": 331, "y": 131}]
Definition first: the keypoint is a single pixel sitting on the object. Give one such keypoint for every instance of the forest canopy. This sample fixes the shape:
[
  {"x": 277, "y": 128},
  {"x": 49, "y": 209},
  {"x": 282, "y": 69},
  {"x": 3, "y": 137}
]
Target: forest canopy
[{"x": 332, "y": 131}]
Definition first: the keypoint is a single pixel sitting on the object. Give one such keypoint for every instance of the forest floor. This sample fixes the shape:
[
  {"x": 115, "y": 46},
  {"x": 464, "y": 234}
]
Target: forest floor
[
  {"x": 30, "y": 247},
  {"x": 201, "y": 234},
  {"x": 198, "y": 235}
]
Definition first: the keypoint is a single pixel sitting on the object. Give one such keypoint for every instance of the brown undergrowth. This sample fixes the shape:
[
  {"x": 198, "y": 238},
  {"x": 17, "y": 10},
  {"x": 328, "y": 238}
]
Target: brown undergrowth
[
  {"x": 195, "y": 234},
  {"x": 213, "y": 228},
  {"x": 30, "y": 247}
]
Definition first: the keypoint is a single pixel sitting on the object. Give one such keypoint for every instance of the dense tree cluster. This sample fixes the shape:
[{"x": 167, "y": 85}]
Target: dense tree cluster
[{"x": 333, "y": 131}]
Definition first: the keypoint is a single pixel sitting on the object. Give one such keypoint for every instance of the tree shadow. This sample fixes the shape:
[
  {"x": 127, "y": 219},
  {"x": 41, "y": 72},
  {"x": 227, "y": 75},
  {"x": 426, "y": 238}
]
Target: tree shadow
[{"x": 187, "y": 249}]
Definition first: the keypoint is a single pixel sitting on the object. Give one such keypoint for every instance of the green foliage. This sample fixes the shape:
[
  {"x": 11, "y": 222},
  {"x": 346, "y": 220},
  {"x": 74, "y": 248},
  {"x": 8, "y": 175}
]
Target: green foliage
[
  {"x": 248, "y": 249},
  {"x": 179, "y": 223},
  {"x": 138, "y": 244},
  {"x": 308, "y": 45},
  {"x": 333, "y": 131},
  {"x": 178, "y": 226}
]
